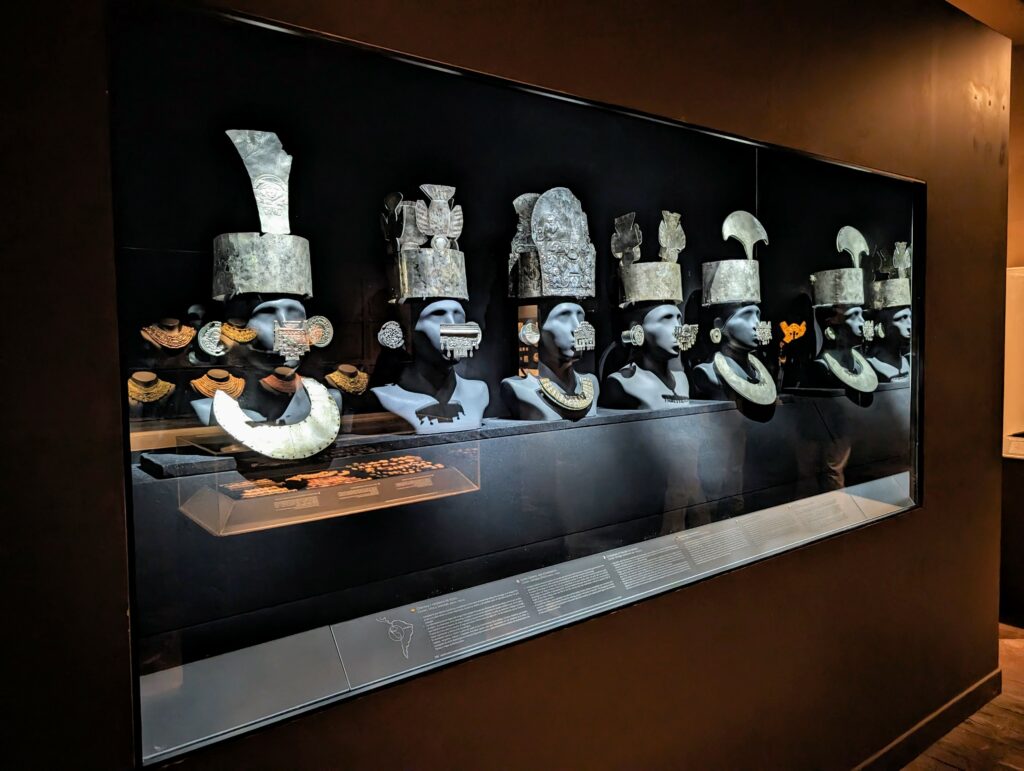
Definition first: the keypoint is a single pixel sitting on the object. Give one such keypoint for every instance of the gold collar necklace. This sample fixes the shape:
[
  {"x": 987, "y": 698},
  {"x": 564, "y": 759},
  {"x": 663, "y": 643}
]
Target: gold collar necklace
[
  {"x": 147, "y": 394},
  {"x": 350, "y": 384},
  {"x": 864, "y": 379},
  {"x": 238, "y": 334},
  {"x": 280, "y": 385},
  {"x": 576, "y": 402},
  {"x": 207, "y": 386},
  {"x": 760, "y": 391},
  {"x": 173, "y": 339}
]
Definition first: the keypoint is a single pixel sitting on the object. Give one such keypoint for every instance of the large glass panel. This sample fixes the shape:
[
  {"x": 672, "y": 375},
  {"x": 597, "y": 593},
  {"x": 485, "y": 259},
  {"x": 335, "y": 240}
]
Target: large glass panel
[{"x": 418, "y": 363}]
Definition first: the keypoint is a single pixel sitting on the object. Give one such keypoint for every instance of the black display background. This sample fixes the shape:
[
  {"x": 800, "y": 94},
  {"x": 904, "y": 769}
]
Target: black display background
[{"x": 360, "y": 125}]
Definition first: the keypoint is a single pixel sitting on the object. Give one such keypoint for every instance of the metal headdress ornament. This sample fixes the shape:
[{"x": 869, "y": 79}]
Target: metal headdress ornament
[
  {"x": 649, "y": 281},
  {"x": 843, "y": 286},
  {"x": 551, "y": 255},
  {"x": 419, "y": 272},
  {"x": 893, "y": 291},
  {"x": 736, "y": 281},
  {"x": 274, "y": 261}
]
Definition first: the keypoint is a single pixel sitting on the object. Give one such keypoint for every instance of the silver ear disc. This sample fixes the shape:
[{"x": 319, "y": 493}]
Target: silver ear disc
[{"x": 390, "y": 335}]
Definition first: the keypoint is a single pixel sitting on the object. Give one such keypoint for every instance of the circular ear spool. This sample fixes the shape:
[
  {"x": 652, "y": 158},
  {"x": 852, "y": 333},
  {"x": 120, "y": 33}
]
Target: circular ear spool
[
  {"x": 633, "y": 336},
  {"x": 529, "y": 333}
]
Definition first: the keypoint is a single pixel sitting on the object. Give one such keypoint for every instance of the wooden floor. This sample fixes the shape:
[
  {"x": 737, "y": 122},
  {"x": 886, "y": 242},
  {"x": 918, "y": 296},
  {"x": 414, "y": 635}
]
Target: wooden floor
[{"x": 993, "y": 737}]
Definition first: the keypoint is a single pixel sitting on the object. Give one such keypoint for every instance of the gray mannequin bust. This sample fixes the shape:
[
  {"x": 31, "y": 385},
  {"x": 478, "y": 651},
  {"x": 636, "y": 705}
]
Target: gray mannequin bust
[
  {"x": 527, "y": 398},
  {"x": 655, "y": 379},
  {"x": 843, "y": 331},
  {"x": 737, "y": 326},
  {"x": 429, "y": 395},
  {"x": 889, "y": 351}
]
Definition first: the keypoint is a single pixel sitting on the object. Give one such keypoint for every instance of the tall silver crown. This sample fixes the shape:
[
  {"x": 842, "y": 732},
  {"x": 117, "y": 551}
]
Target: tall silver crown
[
  {"x": 419, "y": 271},
  {"x": 649, "y": 281},
  {"x": 735, "y": 281},
  {"x": 843, "y": 286},
  {"x": 894, "y": 290},
  {"x": 274, "y": 261},
  {"x": 553, "y": 255}
]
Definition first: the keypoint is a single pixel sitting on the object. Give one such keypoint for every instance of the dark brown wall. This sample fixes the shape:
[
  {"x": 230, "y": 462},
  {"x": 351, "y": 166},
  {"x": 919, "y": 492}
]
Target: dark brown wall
[
  {"x": 66, "y": 680},
  {"x": 818, "y": 657}
]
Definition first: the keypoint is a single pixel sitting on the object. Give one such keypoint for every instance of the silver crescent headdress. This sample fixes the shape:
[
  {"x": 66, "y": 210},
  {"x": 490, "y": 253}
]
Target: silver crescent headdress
[
  {"x": 843, "y": 286},
  {"x": 735, "y": 281},
  {"x": 274, "y": 261}
]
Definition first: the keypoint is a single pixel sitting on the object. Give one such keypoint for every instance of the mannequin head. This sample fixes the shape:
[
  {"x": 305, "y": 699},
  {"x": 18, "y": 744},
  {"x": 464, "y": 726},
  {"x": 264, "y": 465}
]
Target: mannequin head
[
  {"x": 266, "y": 313},
  {"x": 659, "y": 322},
  {"x": 738, "y": 323},
  {"x": 842, "y": 325},
  {"x": 426, "y": 338},
  {"x": 557, "y": 333},
  {"x": 892, "y": 327}
]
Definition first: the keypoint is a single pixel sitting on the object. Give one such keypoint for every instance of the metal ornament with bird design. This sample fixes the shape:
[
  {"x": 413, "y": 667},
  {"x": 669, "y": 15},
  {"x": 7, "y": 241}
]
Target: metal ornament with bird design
[
  {"x": 763, "y": 332},
  {"x": 460, "y": 340},
  {"x": 869, "y": 330},
  {"x": 314, "y": 433},
  {"x": 760, "y": 391},
  {"x": 863, "y": 379}
]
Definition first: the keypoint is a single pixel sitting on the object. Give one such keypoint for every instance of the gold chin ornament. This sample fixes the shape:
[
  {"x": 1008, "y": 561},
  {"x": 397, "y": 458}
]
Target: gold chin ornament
[
  {"x": 760, "y": 391},
  {"x": 864, "y": 379},
  {"x": 349, "y": 379},
  {"x": 314, "y": 433},
  {"x": 577, "y": 402}
]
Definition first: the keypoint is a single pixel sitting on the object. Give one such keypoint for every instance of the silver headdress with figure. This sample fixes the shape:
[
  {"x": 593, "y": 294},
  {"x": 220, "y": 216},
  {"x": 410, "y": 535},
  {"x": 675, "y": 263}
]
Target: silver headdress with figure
[
  {"x": 894, "y": 290},
  {"x": 420, "y": 271},
  {"x": 552, "y": 255},
  {"x": 649, "y": 281}
]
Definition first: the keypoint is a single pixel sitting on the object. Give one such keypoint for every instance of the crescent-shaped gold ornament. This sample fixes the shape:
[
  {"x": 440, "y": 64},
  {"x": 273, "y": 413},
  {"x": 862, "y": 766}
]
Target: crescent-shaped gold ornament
[
  {"x": 864, "y": 379},
  {"x": 761, "y": 391},
  {"x": 316, "y": 432}
]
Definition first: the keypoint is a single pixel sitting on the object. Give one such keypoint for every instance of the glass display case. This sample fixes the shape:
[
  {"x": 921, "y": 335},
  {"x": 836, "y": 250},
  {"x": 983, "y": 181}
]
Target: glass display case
[{"x": 419, "y": 362}]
